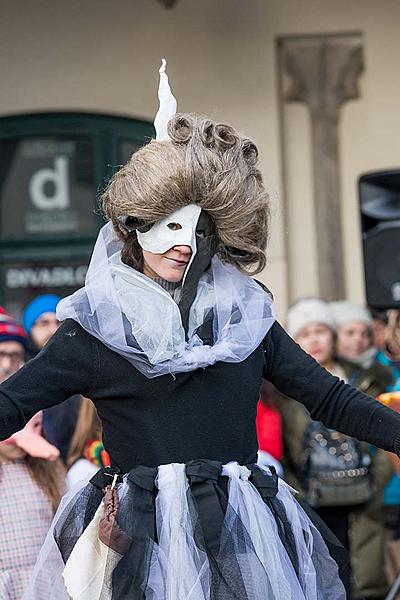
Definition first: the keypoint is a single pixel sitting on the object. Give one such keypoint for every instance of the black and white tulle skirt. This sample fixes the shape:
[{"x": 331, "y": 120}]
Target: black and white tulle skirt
[{"x": 195, "y": 531}]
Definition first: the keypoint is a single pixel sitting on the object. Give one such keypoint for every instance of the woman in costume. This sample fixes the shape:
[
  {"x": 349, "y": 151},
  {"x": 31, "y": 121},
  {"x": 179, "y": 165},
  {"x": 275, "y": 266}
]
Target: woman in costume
[{"x": 171, "y": 339}]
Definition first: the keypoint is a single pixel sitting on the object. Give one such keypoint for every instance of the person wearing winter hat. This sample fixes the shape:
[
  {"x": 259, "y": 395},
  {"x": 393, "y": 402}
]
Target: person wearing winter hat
[
  {"x": 13, "y": 341},
  {"x": 354, "y": 332},
  {"x": 355, "y": 350},
  {"x": 40, "y": 321},
  {"x": 313, "y": 324}
]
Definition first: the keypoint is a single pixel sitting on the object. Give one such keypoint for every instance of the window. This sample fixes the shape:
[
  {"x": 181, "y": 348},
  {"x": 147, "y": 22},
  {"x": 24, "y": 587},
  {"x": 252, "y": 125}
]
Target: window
[{"x": 53, "y": 167}]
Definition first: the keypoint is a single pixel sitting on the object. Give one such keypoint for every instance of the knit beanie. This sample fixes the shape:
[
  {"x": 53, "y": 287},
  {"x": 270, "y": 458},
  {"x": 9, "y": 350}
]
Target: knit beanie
[
  {"x": 35, "y": 309},
  {"x": 345, "y": 311},
  {"x": 307, "y": 311},
  {"x": 10, "y": 330}
]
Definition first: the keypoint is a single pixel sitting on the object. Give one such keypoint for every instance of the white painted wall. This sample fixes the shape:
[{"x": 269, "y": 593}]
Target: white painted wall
[{"x": 103, "y": 56}]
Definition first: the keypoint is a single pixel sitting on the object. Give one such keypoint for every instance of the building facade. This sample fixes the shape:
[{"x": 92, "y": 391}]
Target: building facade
[{"x": 246, "y": 62}]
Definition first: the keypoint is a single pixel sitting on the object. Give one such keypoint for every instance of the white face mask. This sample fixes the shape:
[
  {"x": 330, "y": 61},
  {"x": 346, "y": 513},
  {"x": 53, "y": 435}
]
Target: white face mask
[{"x": 178, "y": 229}]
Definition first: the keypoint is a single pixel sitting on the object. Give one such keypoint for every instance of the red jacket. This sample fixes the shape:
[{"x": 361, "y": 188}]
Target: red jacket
[{"x": 269, "y": 430}]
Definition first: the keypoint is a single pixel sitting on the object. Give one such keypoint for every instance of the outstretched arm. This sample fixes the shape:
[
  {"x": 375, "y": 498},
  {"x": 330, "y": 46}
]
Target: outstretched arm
[
  {"x": 328, "y": 399},
  {"x": 64, "y": 367}
]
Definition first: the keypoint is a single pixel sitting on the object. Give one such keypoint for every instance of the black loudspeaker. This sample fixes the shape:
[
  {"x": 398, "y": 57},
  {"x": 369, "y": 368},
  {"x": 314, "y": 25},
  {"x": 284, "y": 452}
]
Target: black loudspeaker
[{"x": 379, "y": 194}]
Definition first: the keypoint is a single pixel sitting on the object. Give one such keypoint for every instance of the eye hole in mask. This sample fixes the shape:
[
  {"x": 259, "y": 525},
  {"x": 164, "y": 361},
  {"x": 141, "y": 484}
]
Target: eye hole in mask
[
  {"x": 201, "y": 233},
  {"x": 174, "y": 226}
]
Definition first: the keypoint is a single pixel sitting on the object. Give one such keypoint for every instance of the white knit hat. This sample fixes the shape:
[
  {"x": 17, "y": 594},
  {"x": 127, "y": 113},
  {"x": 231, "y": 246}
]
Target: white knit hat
[
  {"x": 307, "y": 311},
  {"x": 345, "y": 311}
]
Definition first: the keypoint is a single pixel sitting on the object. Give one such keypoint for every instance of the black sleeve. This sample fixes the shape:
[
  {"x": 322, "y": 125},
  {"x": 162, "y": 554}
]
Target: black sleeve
[
  {"x": 66, "y": 366},
  {"x": 328, "y": 399}
]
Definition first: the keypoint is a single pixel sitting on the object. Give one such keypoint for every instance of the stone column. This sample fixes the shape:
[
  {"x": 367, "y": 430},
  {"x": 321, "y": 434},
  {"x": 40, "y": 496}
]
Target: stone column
[{"x": 322, "y": 71}]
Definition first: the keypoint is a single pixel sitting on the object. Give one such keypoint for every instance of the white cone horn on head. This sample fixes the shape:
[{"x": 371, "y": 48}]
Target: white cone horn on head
[{"x": 168, "y": 105}]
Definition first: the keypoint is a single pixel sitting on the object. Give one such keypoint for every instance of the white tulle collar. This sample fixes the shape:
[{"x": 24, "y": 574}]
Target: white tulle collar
[{"x": 135, "y": 317}]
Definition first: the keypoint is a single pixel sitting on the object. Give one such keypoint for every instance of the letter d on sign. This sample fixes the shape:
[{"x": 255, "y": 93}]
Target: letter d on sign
[{"x": 59, "y": 178}]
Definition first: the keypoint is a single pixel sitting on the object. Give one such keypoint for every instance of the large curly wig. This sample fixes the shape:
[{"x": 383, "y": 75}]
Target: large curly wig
[{"x": 206, "y": 163}]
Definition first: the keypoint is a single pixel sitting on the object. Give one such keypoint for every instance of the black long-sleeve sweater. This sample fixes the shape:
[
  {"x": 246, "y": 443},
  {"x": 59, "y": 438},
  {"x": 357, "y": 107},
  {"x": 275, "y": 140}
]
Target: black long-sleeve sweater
[{"x": 207, "y": 413}]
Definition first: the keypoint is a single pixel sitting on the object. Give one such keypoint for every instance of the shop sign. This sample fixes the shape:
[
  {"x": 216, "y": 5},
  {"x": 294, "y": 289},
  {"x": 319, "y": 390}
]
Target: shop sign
[{"x": 43, "y": 277}]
